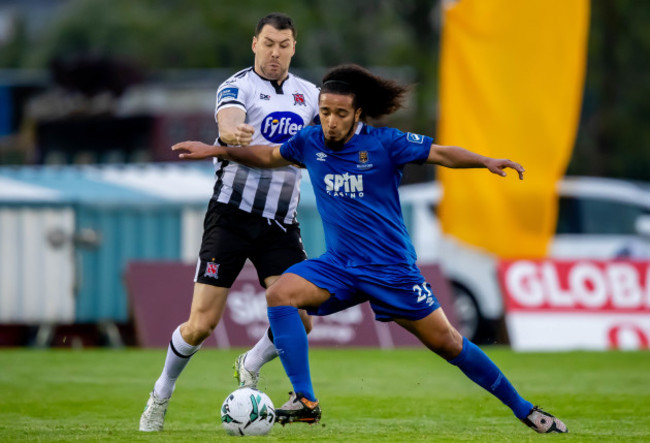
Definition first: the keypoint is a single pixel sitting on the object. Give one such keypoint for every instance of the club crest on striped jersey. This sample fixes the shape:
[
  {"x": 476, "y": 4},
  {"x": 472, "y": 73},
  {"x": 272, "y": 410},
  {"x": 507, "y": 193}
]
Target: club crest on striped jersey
[
  {"x": 299, "y": 99},
  {"x": 279, "y": 127}
]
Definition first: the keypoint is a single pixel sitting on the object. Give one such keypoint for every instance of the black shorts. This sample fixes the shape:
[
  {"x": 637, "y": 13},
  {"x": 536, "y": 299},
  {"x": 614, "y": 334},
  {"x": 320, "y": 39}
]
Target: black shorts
[{"x": 230, "y": 236}]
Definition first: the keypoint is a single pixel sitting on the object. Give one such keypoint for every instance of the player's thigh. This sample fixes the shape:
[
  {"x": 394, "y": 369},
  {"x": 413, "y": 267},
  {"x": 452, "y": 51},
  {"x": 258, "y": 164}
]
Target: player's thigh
[
  {"x": 293, "y": 290},
  {"x": 225, "y": 246},
  {"x": 268, "y": 281},
  {"x": 436, "y": 333},
  {"x": 334, "y": 287},
  {"x": 396, "y": 291},
  {"x": 277, "y": 249}
]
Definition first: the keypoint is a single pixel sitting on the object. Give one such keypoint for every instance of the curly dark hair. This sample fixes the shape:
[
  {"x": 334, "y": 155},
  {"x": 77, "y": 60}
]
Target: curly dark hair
[{"x": 376, "y": 96}]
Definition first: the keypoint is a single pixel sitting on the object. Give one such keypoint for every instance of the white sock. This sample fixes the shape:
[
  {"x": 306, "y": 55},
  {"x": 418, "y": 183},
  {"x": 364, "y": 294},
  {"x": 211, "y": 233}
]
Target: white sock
[
  {"x": 263, "y": 352},
  {"x": 179, "y": 353}
]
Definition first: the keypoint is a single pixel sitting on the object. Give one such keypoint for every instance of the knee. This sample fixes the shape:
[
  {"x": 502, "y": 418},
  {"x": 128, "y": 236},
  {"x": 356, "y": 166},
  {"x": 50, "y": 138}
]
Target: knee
[
  {"x": 197, "y": 330},
  {"x": 275, "y": 296},
  {"x": 447, "y": 343}
]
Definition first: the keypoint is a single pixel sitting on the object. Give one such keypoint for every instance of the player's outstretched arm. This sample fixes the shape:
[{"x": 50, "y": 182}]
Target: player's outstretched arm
[
  {"x": 456, "y": 157},
  {"x": 257, "y": 156}
]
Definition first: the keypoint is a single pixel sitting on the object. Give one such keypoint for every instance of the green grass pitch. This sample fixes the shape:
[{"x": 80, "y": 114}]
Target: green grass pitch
[{"x": 366, "y": 395}]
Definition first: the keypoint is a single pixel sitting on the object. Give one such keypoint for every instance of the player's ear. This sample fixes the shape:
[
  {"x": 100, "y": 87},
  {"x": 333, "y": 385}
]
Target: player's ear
[
  {"x": 254, "y": 44},
  {"x": 357, "y": 114}
]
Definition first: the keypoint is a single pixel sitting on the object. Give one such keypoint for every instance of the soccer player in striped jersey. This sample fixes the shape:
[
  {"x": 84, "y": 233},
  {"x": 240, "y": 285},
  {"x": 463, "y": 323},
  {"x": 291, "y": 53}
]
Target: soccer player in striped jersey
[
  {"x": 252, "y": 213},
  {"x": 355, "y": 170}
]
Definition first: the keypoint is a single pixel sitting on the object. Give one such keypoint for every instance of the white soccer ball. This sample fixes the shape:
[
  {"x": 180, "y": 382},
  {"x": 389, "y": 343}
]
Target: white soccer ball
[{"x": 247, "y": 411}]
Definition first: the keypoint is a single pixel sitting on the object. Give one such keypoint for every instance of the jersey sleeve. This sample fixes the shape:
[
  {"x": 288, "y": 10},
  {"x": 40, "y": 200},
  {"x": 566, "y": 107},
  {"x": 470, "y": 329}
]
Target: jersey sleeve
[
  {"x": 406, "y": 147},
  {"x": 292, "y": 150},
  {"x": 315, "y": 120},
  {"x": 234, "y": 92}
]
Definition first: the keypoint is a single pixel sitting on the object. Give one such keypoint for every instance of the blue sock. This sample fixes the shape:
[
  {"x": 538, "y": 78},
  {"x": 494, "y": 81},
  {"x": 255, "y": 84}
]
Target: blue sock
[
  {"x": 482, "y": 371},
  {"x": 290, "y": 339}
]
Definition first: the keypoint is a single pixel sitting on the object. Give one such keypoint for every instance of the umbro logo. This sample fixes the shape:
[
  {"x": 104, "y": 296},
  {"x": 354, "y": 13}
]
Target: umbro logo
[
  {"x": 265, "y": 97},
  {"x": 321, "y": 156}
]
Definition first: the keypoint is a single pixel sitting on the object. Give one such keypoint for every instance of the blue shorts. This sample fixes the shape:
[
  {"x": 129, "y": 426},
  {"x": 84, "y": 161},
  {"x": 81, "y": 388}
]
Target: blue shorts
[{"x": 394, "y": 291}]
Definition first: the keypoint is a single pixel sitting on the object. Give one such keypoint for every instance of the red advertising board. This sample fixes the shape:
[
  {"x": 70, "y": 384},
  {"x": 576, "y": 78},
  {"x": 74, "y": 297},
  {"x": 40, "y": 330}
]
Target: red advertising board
[
  {"x": 161, "y": 294},
  {"x": 580, "y": 304}
]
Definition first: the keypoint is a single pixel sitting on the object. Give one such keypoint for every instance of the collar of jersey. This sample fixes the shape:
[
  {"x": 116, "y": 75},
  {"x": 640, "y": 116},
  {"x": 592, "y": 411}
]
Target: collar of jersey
[{"x": 274, "y": 83}]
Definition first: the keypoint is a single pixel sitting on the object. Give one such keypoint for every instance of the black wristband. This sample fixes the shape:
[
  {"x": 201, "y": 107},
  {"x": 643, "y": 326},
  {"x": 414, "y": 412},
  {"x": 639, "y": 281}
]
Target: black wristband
[{"x": 221, "y": 142}]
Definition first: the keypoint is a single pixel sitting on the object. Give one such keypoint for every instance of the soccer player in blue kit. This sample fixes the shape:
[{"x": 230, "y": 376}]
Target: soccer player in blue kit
[{"x": 355, "y": 170}]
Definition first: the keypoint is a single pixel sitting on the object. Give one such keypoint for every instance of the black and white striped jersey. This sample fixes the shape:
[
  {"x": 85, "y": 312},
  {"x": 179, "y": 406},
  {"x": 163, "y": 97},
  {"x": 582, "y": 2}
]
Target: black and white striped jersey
[{"x": 276, "y": 112}]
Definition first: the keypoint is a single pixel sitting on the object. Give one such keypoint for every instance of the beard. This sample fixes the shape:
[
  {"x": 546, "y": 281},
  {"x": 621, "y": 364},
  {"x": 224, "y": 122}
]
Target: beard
[{"x": 337, "y": 145}]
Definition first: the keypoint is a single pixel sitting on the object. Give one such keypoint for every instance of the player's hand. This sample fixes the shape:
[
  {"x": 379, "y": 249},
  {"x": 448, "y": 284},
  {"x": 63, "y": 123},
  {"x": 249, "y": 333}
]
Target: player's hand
[
  {"x": 243, "y": 134},
  {"x": 192, "y": 150},
  {"x": 497, "y": 166}
]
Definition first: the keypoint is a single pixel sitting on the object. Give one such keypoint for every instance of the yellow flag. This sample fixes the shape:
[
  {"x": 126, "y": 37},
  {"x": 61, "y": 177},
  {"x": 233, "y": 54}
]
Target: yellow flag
[{"x": 511, "y": 84}]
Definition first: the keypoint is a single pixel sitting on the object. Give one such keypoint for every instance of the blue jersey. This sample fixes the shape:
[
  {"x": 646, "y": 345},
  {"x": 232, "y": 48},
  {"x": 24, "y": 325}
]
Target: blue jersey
[{"x": 356, "y": 190}]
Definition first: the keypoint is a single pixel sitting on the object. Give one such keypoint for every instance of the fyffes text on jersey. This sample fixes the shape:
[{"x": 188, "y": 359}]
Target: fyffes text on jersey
[{"x": 279, "y": 127}]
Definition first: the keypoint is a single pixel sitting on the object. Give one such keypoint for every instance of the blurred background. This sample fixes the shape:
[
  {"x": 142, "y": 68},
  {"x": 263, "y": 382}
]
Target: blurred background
[{"x": 93, "y": 94}]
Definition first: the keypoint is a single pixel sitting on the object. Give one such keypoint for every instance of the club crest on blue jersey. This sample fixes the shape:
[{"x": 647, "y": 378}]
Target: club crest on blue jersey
[
  {"x": 231, "y": 93},
  {"x": 363, "y": 157},
  {"x": 414, "y": 138},
  {"x": 279, "y": 127},
  {"x": 363, "y": 161},
  {"x": 211, "y": 270}
]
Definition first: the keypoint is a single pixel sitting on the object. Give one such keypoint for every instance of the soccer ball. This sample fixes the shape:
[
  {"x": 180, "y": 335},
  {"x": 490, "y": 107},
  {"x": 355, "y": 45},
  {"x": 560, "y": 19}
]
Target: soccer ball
[{"x": 247, "y": 411}]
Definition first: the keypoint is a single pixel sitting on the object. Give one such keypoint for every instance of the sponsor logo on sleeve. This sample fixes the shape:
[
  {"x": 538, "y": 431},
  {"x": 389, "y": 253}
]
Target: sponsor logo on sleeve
[
  {"x": 414, "y": 138},
  {"x": 226, "y": 93}
]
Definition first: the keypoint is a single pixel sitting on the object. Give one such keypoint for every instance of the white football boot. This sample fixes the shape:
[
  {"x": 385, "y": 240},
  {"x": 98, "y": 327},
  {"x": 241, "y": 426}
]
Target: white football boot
[
  {"x": 245, "y": 377},
  {"x": 153, "y": 417}
]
